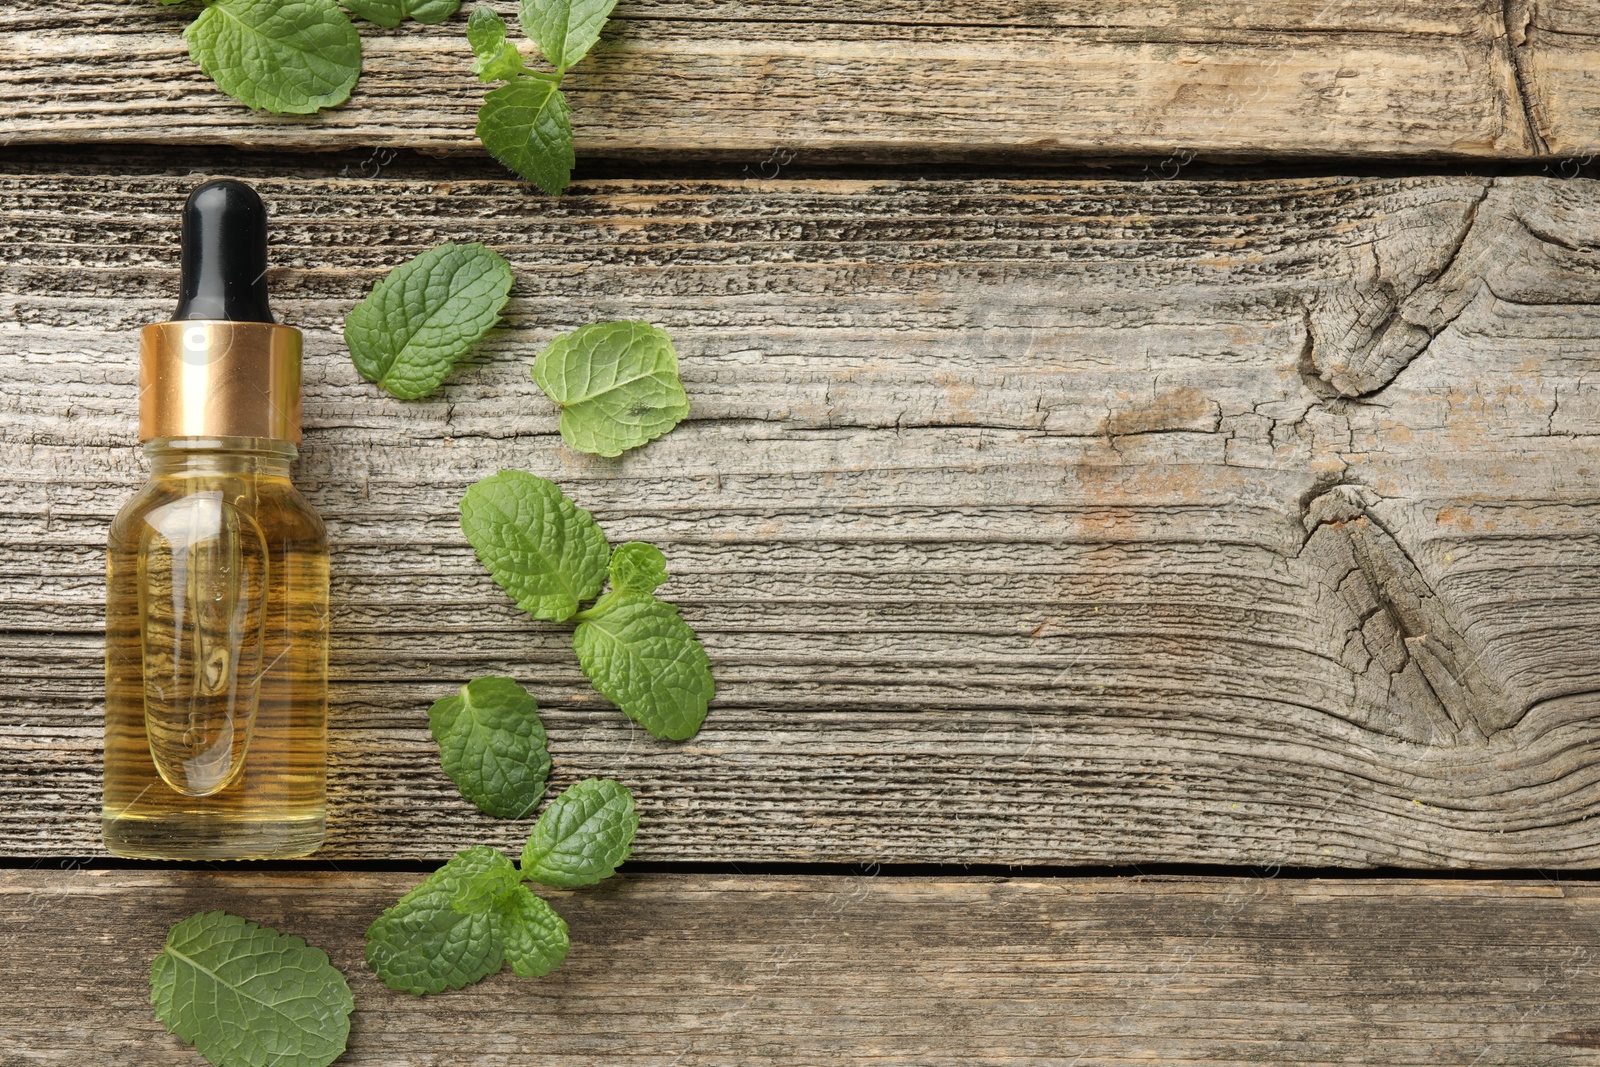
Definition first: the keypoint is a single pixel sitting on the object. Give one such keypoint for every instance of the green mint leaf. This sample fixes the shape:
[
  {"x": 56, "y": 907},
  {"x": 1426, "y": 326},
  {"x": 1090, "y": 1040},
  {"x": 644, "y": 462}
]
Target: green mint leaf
[
  {"x": 386, "y": 13},
  {"x": 535, "y": 936},
  {"x": 286, "y": 56},
  {"x": 424, "y": 315},
  {"x": 486, "y": 888},
  {"x": 542, "y": 549},
  {"x": 617, "y": 384},
  {"x": 526, "y": 125},
  {"x": 431, "y": 12},
  {"x": 444, "y": 934},
  {"x": 637, "y": 567},
  {"x": 497, "y": 58},
  {"x": 647, "y": 661},
  {"x": 245, "y": 995},
  {"x": 492, "y": 745},
  {"x": 565, "y": 30},
  {"x": 582, "y": 835}
]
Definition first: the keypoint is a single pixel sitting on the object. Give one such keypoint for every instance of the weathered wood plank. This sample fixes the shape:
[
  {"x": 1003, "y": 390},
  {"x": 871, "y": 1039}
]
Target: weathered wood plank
[
  {"x": 891, "y": 80},
  {"x": 1024, "y": 521},
  {"x": 700, "y": 969}
]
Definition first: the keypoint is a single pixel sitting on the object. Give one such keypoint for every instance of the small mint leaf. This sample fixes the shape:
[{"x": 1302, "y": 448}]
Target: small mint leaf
[
  {"x": 582, "y": 836},
  {"x": 641, "y": 656},
  {"x": 497, "y": 58},
  {"x": 424, "y": 315},
  {"x": 526, "y": 125},
  {"x": 492, "y": 745},
  {"x": 245, "y": 995},
  {"x": 430, "y": 12},
  {"x": 389, "y": 13},
  {"x": 486, "y": 887},
  {"x": 385, "y": 13},
  {"x": 542, "y": 549},
  {"x": 535, "y": 936},
  {"x": 444, "y": 934},
  {"x": 637, "y": 567},
  {"x": 565, "y": 30},
  {"x": 617, "y": 384},
  {"x": 285, "y": 56}
]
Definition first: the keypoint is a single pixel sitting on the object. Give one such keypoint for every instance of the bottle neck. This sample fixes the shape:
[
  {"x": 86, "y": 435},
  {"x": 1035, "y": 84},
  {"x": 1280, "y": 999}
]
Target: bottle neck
[{"x": 259, "y": 456}]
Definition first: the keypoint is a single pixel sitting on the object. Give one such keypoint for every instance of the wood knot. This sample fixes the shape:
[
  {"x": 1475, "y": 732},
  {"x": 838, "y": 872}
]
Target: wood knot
[
  {"x": 1403, "y": 288},
  {"x": 1414, "y": 672}
]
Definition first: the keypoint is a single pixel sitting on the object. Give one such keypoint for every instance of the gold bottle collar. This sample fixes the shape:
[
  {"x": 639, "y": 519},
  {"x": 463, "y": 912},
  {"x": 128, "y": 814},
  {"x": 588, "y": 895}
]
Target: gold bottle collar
[{"x": 199, "y": 378}]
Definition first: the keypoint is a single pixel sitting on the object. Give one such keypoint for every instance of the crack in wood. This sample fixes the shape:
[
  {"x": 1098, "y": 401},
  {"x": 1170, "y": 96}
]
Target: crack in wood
[
  {"x": 1363, "y": 337},
  {"x": 1516, "y": 17},
  {"x": 1436, "y": 686}
]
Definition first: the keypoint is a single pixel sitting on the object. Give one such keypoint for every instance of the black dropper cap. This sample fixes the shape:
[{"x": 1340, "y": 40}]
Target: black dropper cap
[{"x": 224, "y": 255}]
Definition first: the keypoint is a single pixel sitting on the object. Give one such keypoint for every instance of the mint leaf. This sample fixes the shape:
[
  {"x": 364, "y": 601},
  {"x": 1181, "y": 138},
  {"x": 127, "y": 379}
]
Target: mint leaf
[
  {"x": 497, "y": 58},
  {"x": 286, "y": 56},
  {"x": 386, "y": 13},
  {"x": 424, "y": 315},
  {"x": 643, "y": 658},
  {"x": 444, "y": 934},
  {"x": 535, "y": 936},
  {"x": 582, "y": 835},
  {"x": 527, "y": 126},
  {"x": 486, "y": 887},
  {"x": 541, "y": 548},
  {"x": 637, "y": 567},
  {"x": 245, "y": 995},
  {"x": 617, "y": 384},
  {"x": 492, "y": 745},
  {"x": 565, "y": 30},
  {"x": 430, "y": 12}
]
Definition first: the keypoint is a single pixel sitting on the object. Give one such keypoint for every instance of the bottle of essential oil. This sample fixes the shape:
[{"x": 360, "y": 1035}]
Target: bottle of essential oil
[{"x": 217, "y": 577}]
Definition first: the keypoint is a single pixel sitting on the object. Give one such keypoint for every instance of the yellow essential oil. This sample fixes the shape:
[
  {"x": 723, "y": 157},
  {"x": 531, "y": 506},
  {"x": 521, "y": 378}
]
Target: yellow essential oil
[{"x": 216, "y": 658}]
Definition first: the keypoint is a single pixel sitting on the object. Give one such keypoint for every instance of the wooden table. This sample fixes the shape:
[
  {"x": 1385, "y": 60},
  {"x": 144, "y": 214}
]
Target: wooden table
[{"x": 1155, "y": 608}]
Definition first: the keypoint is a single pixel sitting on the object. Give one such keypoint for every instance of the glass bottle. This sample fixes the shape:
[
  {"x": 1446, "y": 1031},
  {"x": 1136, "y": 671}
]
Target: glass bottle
[{"x": 217, "y": 575}]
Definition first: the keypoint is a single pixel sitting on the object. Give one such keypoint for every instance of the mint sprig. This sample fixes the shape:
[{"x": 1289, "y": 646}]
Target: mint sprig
[
  {"x": 474, "y": 915},
  {"x": 290, "y": 57},
  {"x": 550, "y": 555},
  {"x": 526, "y": 123},
  {"x": 245, "y": 995},
  {"x": 492, "y": 745},
  {"x": 616, "y": 383},
  {"x": 424, "y": 315}
]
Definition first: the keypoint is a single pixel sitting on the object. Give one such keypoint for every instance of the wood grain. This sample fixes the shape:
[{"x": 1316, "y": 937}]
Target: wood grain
[
  {"x": 1066, "y": 522},
  {"x": 885, "y": 80},
  {"x": 711, "y": 970}
]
